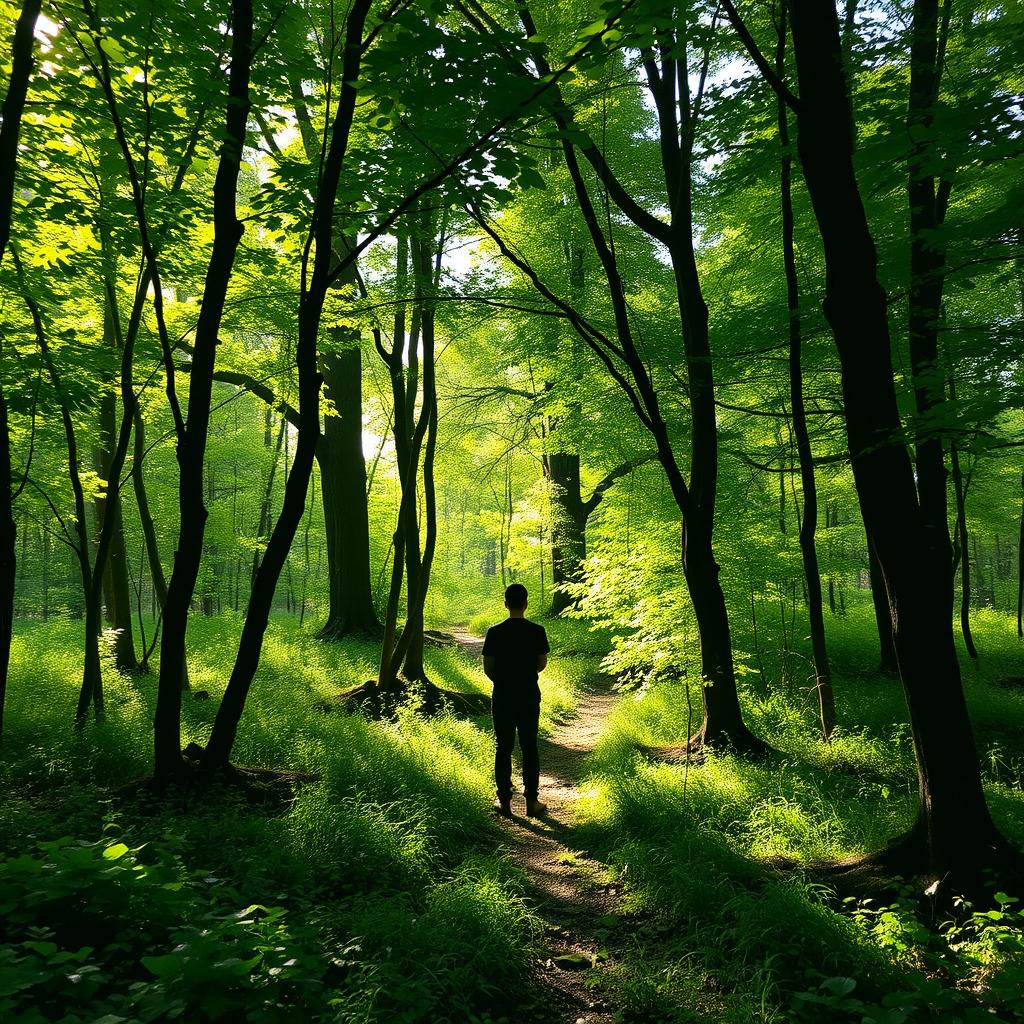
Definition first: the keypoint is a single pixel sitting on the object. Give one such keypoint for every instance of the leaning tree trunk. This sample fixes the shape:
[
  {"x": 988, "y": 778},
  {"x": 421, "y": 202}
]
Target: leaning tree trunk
[
  {"x": 10, "y": 126},
  {"x": 809, "y": 520},
  {"x": 191, "y": 449},
  {"x": 669, "y": 84},
  {"x": 954, "y": 832},
  {"x": 229, "y": 714}
]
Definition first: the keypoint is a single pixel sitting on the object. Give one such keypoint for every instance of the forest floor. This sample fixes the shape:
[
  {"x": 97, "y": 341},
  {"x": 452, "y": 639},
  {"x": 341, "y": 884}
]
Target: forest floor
[{"x": 575, "y": 895}]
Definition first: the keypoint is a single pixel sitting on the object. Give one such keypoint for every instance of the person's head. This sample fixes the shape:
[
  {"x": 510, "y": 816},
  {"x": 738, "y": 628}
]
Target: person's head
[{"x": 515, "y": 598}]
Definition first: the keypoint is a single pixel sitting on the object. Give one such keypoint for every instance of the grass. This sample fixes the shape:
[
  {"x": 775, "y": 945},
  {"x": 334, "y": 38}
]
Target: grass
[
  {"x": 739, "y": 941},
  {"x": 378, "y": 894},
  {"x": 388, "y": 856}
]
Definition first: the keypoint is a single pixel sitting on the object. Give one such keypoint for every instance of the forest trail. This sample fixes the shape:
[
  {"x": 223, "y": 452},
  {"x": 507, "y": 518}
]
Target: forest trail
[{"x": 574, "y": 895}]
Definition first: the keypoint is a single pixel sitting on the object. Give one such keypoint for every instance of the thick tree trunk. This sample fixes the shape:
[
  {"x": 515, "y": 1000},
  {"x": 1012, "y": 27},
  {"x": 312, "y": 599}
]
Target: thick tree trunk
[
  {"x": 955, "y": 832},
  {"x": 343, "y": 484},
  {"x": 344, "y": 498},
  {"x": 809, "y": 519},
  {"x": 10, "y": 126},
  {"x": 229, "y": 714},
  {"x": 191, "y": 450},
  {"x": 568, "y": 525}
]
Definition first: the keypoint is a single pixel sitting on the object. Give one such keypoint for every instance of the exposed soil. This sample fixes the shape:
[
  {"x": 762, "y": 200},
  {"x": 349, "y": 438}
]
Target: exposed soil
[{"x": 574, "y": 894}]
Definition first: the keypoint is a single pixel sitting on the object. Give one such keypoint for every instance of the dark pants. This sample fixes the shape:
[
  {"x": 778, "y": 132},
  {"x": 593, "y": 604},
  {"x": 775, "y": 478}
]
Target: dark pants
[{"x": 514, "y": 713}]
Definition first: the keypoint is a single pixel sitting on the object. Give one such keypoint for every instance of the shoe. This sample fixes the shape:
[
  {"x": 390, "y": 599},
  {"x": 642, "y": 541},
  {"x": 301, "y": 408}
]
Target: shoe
[
  {"x": 504, "y": 806},
  {"x": 534, "y": 808}
]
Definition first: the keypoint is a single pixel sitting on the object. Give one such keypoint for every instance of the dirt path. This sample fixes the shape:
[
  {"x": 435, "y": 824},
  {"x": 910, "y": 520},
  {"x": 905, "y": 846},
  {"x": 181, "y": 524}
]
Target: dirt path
[{"x": 573, "y": 894}]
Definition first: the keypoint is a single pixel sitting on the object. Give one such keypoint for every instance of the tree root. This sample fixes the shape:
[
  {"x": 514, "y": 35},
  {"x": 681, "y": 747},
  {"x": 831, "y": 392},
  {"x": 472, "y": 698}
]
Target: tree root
[
  {"x": 334, "y": 631},
  {"x": 267, "y": 788},
  {"x": 377, "y": 702},
  {"x": 745, "y": 744},
  {"x": 976, "y": 875}
]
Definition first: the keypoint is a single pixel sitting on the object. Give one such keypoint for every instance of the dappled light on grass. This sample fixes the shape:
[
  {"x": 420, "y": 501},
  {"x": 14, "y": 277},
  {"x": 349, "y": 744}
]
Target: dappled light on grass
[{"x": 384, "y": 861}]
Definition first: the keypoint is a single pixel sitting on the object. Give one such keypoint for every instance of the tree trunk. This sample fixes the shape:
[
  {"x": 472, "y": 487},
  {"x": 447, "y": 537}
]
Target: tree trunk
[
  {"x": 343, "y": 484},
  {"x": 229, "y": 714},
  {"x": 116, "y": 589},
  {"x": 418, "y": 581},
  {"x": 156, "y": 569},
  {"x": 960, "y": 549},
  {"x": 10, "y": 126},
  {"x": 809, "y": 519},
  {"x": 343, "y": 493},
  {"x": 1020, "y": 569},
  {"x": 191, "y": 449},
  {"x": 263, "y": 527},
  {"x": 8, "y": 555},
  {"x": 955, "y": 832},
  {"x": 568, "y": 525}
]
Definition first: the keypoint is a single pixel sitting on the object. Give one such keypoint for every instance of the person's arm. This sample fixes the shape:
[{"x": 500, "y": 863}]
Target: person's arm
[
  {"x": 544, "y": 650},
  {"x": 489, "y": 667}
]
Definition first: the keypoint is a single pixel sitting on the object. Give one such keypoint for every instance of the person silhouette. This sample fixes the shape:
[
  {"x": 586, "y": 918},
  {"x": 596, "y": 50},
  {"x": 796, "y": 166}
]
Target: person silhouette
[{"x": 515, "y": 653}]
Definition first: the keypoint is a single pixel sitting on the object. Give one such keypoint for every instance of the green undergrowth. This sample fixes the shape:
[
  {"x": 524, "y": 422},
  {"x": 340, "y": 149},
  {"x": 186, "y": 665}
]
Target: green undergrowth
[
  {"x": 707, "y": 854},
  {"x": 372, "y": 896}
]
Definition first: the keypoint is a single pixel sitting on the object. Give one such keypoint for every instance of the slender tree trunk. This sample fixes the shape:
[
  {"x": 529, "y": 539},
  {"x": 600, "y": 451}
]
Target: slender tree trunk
[
  {"x": 955, "y": 832},
  {"x": 191, "y": 448},
  {"x": 156, "y": 569},
  {"x": 116, "y": 588},
  {"x": 809, "y": 519},
  {"x": 8, "y": 554},
  {"x": 959, "y": 550},
  {"x": 229, "y": 714},
  {"x": 10, "y": 127},
  {"x": 418, "y": 580},
  {"x": 263, "y": 528},
  {"x": 1020, "y": 569}
]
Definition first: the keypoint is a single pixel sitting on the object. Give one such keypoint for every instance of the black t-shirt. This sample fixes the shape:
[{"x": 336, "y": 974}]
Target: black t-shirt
[{"x": 515, "y": 645}]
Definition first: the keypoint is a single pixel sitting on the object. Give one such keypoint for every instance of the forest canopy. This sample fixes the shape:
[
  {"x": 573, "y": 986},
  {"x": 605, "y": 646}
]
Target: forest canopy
[{"x": 324, "y": 322}]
